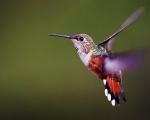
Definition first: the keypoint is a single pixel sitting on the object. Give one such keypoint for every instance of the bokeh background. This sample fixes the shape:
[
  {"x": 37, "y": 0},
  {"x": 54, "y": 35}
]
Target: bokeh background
[{"x": 43, "y": 78}]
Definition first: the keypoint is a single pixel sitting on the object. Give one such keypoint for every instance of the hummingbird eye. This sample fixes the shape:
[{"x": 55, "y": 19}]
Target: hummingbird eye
[{"x": 81, "y": 38}]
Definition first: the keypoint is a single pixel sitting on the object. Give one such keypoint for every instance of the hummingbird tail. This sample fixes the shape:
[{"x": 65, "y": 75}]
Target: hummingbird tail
[{"x": 113, "y": 90}]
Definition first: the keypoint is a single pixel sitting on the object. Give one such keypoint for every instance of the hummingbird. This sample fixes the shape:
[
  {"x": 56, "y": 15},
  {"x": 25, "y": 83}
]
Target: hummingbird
[{"x": 103, "y": 62}]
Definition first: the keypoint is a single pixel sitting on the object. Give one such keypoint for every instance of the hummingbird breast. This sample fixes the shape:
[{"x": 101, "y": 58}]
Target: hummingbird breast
[
  {"x": 96, "y": 64},
  {"x": 94, "y": 60}
]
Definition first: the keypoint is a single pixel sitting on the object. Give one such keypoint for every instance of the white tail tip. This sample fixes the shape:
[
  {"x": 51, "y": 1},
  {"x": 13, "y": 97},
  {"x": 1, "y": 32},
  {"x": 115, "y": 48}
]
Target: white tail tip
[
  {"x": 109, "y": 97},
  {"x": 113, "y": 102}
]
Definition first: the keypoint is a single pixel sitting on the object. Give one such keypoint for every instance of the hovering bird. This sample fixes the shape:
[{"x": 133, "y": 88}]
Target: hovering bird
[{"x": 105, "y": 64}]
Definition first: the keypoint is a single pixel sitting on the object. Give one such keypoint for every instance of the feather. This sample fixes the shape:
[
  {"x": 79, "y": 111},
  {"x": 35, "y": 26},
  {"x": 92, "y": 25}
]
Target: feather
[
  {"x": 131, "y": 19},
  {"x": 124, "y": 61}
]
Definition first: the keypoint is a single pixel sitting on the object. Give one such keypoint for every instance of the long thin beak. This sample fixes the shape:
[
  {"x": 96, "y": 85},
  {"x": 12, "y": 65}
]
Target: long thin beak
[{"x": 59, "y": 35}]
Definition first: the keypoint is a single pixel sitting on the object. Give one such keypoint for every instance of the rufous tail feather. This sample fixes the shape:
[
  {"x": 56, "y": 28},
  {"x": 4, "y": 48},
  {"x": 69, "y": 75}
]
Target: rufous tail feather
[{"x": 113, "y": 90}]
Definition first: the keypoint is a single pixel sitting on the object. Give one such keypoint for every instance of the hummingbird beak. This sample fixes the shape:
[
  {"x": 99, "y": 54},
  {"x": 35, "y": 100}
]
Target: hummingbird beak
[{"x": 59, "y": 35}]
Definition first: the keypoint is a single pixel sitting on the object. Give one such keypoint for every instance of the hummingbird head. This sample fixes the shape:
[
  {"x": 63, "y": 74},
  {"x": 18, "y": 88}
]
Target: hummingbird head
[{"x": 82, "y": 42}]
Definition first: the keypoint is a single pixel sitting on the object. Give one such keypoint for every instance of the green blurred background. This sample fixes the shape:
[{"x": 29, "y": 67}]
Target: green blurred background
[{"x": 43, "y": 78}]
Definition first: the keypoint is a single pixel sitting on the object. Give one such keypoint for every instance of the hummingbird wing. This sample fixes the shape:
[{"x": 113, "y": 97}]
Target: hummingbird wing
[
  {"x": 131, "y": 19},
  {"x": 123, "y": 61}
]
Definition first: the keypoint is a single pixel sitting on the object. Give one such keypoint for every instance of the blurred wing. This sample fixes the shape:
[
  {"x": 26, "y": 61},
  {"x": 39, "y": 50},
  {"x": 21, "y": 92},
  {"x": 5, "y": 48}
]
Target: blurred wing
[
  {"x": 109, "y": 41},
  {"x": 123, "y": 61}
]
